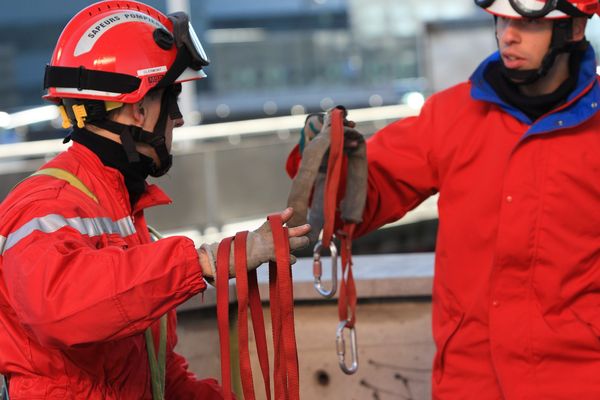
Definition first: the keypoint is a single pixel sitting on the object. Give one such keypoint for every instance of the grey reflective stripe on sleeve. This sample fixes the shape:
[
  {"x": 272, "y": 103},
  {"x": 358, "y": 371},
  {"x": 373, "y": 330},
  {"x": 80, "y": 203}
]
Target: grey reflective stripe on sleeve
[{"x": 53, "y": 222}]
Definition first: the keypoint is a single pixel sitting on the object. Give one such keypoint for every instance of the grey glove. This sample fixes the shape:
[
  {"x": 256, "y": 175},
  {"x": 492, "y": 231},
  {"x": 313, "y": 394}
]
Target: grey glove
[{"x": 259, "y": 247}]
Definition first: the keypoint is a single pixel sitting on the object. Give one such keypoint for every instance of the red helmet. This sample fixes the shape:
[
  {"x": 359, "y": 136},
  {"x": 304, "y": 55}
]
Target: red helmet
[
  {"x": 548, "y": 9},
  {"x": 118, "y": 50}
]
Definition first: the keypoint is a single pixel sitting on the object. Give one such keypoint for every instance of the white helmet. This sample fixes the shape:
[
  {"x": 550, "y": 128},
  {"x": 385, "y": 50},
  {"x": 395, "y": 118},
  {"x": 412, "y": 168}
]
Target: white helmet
[{"x": 548, "y": 9}]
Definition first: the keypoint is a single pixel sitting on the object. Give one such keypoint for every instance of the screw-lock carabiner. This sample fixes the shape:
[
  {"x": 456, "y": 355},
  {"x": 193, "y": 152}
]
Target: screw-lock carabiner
[
  {"x": 318, "y": 269},
  {"x": 341, "y": 348}
]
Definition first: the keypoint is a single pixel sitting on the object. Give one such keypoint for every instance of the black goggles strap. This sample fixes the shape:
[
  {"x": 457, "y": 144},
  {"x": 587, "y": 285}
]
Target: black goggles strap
[
  {"x": 569, "y": 9},
  {"x": 83, "y": 78},
  {"x": 182, "y": 61}
]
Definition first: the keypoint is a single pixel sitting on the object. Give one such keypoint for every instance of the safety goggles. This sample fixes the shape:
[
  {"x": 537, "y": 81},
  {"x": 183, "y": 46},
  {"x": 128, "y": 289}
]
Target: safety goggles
[
  {"x": 185, "y": 37},
  {"x": 541, "y": 8},
  {"x": 190, "y": 53}
]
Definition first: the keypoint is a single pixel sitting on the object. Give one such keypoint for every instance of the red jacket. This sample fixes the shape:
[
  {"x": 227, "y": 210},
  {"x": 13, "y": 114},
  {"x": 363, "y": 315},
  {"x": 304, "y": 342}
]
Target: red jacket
[
  {"x": 516, "y": 296},
  {"x": 81, "y": 281}
]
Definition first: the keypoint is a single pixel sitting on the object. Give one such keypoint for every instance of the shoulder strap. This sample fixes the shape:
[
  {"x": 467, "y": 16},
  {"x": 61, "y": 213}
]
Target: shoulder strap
[
  {"x": 68, "y": 177},
  {"x": 157, "y": 363}
]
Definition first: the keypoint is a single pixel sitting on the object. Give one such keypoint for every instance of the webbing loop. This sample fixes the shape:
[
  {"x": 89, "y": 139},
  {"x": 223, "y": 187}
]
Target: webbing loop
[{"x": 285, "y": 359}]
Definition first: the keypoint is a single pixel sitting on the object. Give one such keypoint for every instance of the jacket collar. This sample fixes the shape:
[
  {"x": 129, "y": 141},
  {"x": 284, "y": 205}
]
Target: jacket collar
[
  {"x": 581, "y": 104},
  {"x": 111, "y": 177}
]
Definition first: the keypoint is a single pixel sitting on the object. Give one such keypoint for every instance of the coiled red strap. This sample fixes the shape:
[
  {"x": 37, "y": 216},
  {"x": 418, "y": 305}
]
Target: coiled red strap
[{"x": 286, "y": 376}]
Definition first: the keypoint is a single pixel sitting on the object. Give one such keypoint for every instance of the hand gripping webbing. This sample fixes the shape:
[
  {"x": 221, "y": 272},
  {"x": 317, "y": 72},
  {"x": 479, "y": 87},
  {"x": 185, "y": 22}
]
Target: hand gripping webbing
[
  {"x": 324, "y": 202},
  {"x": 286, "y": 378}
]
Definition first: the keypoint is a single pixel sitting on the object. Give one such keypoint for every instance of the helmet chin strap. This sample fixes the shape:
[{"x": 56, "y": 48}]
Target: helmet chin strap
[
  {"x": 130, "y": 134},
  {"x": 562, "y": 32}
]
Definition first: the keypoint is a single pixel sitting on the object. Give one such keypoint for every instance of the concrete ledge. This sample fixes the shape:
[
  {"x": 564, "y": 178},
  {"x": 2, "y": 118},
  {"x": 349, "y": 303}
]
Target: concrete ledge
[{"x": 376, "y": 276}]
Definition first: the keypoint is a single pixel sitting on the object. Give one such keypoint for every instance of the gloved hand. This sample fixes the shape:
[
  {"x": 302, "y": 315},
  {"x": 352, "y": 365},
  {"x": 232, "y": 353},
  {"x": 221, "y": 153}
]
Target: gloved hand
[
  {"x": 316, "y": 123},
  {"x": 352, "y": 137},
  {"x": 312, "y": 126},
  {"x": 259, "y": 247},
  {"x": 313, "y": 168}
]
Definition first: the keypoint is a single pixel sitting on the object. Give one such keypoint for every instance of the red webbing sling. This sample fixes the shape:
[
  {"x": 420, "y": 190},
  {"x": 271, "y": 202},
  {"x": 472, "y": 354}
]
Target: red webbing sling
[
  {"x": 347, "y": 297},
  {"x": 286, "y": 377},
  {"x": 325, "y": 190},
  {"x": 222, "y": 284}
]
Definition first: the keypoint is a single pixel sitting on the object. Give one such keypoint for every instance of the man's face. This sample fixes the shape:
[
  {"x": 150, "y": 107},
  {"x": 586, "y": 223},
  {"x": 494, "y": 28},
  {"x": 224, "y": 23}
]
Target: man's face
[
  {"x": 523, "y": 43},
  {"x": 152, "y": 111}
]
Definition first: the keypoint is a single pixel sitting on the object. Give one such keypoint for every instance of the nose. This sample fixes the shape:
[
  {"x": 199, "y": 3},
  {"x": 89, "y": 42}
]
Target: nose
[
  {"x": 507, "y": 31},
  {"x": 178, "y": 122}
]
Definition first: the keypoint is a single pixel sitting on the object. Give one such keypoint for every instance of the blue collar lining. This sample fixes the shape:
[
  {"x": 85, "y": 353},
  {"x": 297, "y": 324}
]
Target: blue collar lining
[{"x": 575, "y": 113}]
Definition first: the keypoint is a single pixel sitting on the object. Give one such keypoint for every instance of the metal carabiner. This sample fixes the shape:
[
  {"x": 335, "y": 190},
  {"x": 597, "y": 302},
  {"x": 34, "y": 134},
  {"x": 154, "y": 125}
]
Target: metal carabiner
[
  {"x": 341, "y": 348},
  {"x": 318, "y": 269}
]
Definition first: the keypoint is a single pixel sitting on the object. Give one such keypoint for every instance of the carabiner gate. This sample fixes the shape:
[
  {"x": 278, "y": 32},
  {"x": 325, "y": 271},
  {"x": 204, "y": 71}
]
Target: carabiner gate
[
  {"x": 318, "y": 269},
  {"x": 341, "y": 348}
]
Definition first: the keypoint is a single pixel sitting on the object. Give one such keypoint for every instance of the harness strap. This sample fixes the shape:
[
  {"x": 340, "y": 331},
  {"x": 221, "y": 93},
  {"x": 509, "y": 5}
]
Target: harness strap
[
  {"x": 4, "y": 383},
  {"x": 157, "y": 366},
  {"x": 69, "y": 177},
  {"x": 285, "y": 360}
]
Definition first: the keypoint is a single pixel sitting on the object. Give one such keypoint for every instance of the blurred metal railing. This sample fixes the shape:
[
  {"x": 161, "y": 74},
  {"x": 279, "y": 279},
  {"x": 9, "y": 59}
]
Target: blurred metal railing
[{"x": 225, "y": 176}]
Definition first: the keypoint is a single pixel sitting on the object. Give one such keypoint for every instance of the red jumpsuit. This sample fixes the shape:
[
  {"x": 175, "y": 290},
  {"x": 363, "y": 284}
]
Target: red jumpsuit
[
  {"x": 80, "y": 283},
  {"x": 516, "y": 296}
]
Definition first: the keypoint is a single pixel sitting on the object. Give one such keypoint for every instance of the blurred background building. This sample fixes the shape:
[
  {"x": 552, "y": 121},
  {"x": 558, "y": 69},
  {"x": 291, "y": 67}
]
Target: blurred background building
[
  {"x": 269, "y": 59},
  {"x": 273, "y": 58}
]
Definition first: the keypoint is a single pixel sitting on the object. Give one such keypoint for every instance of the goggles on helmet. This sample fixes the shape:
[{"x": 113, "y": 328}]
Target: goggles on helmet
[
  {"x": 540, "y": 8},
  {"x": 185, "y": 36},
  {"x": 190, "y": 53}
]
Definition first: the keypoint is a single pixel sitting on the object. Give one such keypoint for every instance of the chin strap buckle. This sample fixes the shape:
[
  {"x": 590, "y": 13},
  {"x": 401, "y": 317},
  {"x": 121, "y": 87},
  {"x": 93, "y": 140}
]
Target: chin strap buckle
[
  {"x": 80, "y": 114},
  {"x": 66, "y": 122}
]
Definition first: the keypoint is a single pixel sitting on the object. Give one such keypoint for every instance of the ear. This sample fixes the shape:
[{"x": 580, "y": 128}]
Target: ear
[
  {"x": 138, "y": 113},
  {"x": 579, "y": 25}
]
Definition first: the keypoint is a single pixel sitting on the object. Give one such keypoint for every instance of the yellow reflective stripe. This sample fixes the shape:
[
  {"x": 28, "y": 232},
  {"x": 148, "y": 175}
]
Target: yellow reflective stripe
[
  {"x": 69, "y": 177},
  {"x": 157, "y": 366}
]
